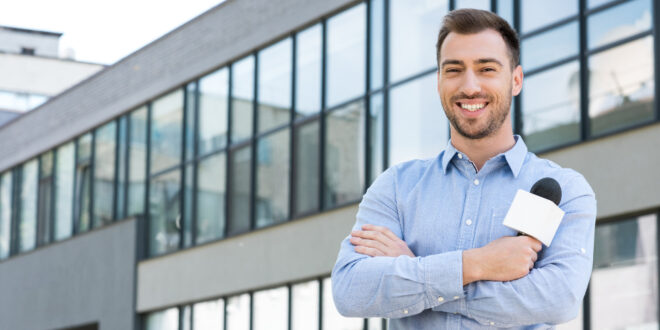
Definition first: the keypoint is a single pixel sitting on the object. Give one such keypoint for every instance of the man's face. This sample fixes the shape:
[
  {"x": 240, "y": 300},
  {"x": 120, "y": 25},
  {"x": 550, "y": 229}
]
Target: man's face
[{"x": 476, "y": 83}]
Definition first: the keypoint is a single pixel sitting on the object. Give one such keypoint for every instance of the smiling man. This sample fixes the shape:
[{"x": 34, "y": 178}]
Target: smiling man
[{"x": 428, "y": 249}]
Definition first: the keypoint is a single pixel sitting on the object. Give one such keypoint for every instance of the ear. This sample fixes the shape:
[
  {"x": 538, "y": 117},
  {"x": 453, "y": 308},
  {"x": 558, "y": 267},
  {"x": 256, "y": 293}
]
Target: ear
[{"x": 517, "y": 81}]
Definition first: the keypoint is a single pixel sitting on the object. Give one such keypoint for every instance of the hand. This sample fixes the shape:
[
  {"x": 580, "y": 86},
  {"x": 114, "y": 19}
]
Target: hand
[
  {"x": 504, "y": 259},
  {"x": 375, "y": 241}
]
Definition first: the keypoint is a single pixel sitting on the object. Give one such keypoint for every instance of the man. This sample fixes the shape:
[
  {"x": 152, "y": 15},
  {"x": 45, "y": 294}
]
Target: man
[{"x": 429, "y": 250}]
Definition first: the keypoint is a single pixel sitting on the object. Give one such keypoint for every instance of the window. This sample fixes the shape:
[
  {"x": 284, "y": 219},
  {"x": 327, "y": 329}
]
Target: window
[
  {"x": 344, "y": 155},
  {"x": 270, "y": 309},
  {"x": 537, "y": 14},
  {"x": 104, "y": 174},
  {"x": 211, "y": 197},
  {"x": 305, "y": 305},
  {"x": 5, "y": 213},
  {"x": 83, "y": 183},
  {"x": 137, "y": 156},
  {"x": 238, "y": 312},
  {"x": 346, "y": 52},
  {"x": 306, "y": 157},
  {"x": 331, "y": 317},
  {"x": 45, "y": 199},
  {"x": 308, "y": 71},
  {"x": 242, "y": 99},
  {"x": 213, "y": 102},
  {"x": 274, "y": 92},
  {"x": 239, "y": 193},
  {"x": 163, "y": 320},
  {"x": 27, "y": 225},
  {"x": 165, "y": 213},
  {"x": 166, "y": 131},
  {"x": 209, "y": 315},
  {"x": 272, "y": 204},
  {"x": 624, "y": 282},
  {"x": 64, "y": 191}
]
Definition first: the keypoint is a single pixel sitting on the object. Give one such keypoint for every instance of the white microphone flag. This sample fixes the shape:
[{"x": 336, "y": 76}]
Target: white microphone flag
[{"x": 535, "y": 216}]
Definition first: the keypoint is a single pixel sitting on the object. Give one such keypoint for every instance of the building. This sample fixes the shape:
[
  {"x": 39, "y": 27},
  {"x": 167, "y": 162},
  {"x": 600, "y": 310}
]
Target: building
[
  {"x": 33, "y": 71},
  {"x": 206, "y": 180}
]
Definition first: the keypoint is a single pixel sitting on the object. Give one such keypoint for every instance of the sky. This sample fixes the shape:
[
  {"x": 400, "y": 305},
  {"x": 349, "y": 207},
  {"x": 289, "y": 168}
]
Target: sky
[{"x": 102, "y": 31}]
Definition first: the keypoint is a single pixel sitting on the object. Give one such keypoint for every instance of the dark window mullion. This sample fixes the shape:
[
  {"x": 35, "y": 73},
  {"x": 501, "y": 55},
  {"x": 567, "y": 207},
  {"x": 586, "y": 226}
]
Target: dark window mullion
[
  {"x": 147, "y": 208},
  {"x": 115, "y": 183},
  {"x": 195, "y": 166},
  {"x": 292, "y": 146},
  {"x": 386, "y": 88},
  {"x": 584, "y": 74},
  {"x": 324, "y": 75},
  {"x": 367, "y": 101},
  {"x": 38, "y": 223},
  {"x": 92, "y": 164},
  {"x": 75, "y": 214},
  {"x": 53, "y": 195},
  {"x": 517, "y": 100},
  {"x": 253, "y": 146},
  {"x": 182, "y": 173},
  {"x": 230, "y": 155}
]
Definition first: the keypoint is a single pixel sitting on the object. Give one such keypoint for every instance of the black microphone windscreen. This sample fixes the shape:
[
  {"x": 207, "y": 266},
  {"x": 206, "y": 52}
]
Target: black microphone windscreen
[{"x": 547, "y": 188}]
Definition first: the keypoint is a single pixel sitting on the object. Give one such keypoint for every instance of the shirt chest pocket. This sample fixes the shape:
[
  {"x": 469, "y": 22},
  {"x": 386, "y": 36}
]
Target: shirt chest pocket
[{"x": 497, "y": 229}]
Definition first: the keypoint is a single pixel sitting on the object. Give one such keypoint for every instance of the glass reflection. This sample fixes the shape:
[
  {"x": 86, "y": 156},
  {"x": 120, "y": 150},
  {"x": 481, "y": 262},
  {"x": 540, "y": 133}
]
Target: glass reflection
[
  {"x": 418, "y": 126},
  {"x": 346, "y": 55},
  {"x": 5, "y": 213},
  {"x": 188, "y": 192},
  {"x": 413, "y": 34},
  {"x": 375, "y": 323},
  {"x": 240, "y": 183},
  {"x": 477, "y": 4},
  {"x": 505, "y": 10},
  {"x": 213, "y": 102},
  {"x": 163, "y": 320},
  {"x": 538, "y": 13},
  {"x": 137, "y": 157},
  {"x": 619, "y": 22},
  {"x": 550, "y": 107},
  {"x": 83, "y": 181},
  {"x": 621, "y": 86},
  {"x": 305, "y": 306},
  {"x": 377, "y": 51},
  {"x": 44, "y": 199},
  {"x": 376, "y": 135},
  {"x": 211, "y": 178},
  {"x": 64, "y": 191},
  {"x": 331, "y": 318},
  {"x": 344, "y": 155},
  {"x": 274, "y": 85},
  {"x": 186, "y": 317},
  {"x": 190, "y": 116},
  {"x": 238, "y": 312},
  {"x": 166, "y": 131},
  {"x": 164, "y": 213},
  {"x": 209, "y": 315},
  {"x": 272, "y": 204},
  {"x": 624, "y": 291},
  {"x": 242, "y": 99},
  {"x": 27, "y": 225},
  {"x": 104, "y": 174},
  {"x": 308, "y": 71},
  {"x": 271, "y": 309},
  {"x": 551, "y": 46},
  {"x": 307, "y": 167}
]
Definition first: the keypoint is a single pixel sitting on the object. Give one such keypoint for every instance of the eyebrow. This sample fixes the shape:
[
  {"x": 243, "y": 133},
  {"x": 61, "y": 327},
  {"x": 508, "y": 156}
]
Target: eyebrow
[{"x": 479, "y": 61}]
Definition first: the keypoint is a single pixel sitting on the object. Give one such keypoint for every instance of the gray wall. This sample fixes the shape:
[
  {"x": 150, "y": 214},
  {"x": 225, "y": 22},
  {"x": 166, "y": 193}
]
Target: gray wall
[
  {"x": 220, "y": 35},
  {"x": 293, "y": 251},
  {"x": 88, "y": 278}
]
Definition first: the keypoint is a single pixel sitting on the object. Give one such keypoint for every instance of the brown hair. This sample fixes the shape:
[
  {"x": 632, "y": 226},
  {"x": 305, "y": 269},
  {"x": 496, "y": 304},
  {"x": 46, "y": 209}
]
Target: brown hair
[{"x": 469, "y": 21}]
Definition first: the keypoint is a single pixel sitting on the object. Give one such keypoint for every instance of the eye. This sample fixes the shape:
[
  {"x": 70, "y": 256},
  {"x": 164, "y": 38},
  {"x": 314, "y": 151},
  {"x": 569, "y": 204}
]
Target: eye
[
  {"x": 452, "y": 70},
  {"x": 488, "y": 69}
]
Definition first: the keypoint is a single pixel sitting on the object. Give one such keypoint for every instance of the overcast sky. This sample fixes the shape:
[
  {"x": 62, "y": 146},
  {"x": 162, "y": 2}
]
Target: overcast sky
[{"x": 102, "y": 31}]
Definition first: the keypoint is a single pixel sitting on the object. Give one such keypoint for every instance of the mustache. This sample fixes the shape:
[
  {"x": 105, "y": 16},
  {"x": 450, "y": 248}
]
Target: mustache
[{"x": 457, "y": 97}]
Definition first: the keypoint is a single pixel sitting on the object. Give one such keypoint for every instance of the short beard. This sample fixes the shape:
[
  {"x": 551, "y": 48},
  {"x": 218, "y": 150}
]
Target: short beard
[{"x": 493, "y": 125}]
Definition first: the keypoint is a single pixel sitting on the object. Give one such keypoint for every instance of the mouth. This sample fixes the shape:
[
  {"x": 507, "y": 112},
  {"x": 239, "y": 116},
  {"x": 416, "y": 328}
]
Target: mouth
[{"x": 473, "y": 108}]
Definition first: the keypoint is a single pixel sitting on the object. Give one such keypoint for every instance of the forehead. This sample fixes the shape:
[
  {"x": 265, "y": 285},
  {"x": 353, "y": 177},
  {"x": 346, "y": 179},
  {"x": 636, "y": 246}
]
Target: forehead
[{"x": 469, "y": 47}]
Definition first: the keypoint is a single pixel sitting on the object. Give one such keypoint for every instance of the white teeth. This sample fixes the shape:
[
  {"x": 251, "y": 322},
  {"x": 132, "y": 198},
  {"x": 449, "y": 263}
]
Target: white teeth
[{"x": 472, "y": 107}]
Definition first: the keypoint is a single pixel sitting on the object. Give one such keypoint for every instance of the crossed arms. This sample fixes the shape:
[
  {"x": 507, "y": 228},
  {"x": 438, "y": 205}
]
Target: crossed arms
[{"x": 376, "y": 274}]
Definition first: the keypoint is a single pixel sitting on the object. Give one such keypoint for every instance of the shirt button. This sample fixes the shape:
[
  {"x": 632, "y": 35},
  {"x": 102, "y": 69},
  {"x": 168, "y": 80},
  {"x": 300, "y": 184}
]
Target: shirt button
[
  {"x": 468, "y": 222},
  {"x": 476, "y": 182},
  {"x": 460, "y": 156},
  {"x": 492, "y": 323},
  {"x": 405, "y": 311},
  {"x": 456, "y": 297},
  {"x": 440, "y": 299},
  {"x": 583, "y": 250}
]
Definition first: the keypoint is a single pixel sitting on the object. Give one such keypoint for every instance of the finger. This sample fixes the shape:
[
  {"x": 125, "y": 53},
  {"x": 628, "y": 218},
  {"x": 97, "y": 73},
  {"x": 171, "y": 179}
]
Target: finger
[
  {"x": 373, "y": 235},
  {"x": 383, "y": 230},
  {"x": 368, "y": 251},
  {"x": 531, "y": 265},
  {"x": 368, "y": 243},
  {"x": 534, "y": 257}
]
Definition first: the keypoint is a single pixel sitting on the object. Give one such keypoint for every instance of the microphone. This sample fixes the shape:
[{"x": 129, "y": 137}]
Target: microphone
[
  {"x": 547, "y": 188},
  {"x": 536, "y": 213}
]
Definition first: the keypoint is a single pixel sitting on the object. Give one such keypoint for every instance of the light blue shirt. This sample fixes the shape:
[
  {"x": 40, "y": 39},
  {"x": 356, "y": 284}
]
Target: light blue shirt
[{"x": 442, "y": 206}]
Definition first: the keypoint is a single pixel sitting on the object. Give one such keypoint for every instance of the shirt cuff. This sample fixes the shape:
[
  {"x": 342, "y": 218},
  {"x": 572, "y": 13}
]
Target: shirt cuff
[{"x": 443, "y": 274}]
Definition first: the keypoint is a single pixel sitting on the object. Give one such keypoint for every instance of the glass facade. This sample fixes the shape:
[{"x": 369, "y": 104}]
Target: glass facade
[
  {"x": 5, "y": 214},
  {"x": 104, "y": 174},
  {"x": 27, "y": 224},
  {"x": 65, "y": 171}
]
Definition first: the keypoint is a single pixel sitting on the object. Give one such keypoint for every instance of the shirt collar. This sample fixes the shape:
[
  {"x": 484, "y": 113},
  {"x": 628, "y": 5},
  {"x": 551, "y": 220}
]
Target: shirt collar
[{"x": 515, "y": 156}]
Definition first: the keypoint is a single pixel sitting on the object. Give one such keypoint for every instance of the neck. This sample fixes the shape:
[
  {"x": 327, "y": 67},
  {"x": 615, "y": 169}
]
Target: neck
[{"x": 481, "y": 150}]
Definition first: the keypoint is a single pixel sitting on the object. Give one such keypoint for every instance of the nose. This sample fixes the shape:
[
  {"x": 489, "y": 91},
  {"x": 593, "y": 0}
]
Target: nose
[{"x": 471, "y": 85}]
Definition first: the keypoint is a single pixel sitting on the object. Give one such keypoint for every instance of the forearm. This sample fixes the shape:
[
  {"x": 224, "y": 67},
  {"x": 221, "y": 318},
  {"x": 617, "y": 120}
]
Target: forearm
[{"x": 394, "y": 287}]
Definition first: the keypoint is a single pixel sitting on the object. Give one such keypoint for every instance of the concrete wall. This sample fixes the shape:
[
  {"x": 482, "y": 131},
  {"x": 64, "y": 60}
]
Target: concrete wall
[
  {"x": 42, "y": 75},
  {"x": 44, "y": 44},
  {"x": 222, "y": 34},
  {"x": 293, "y": 251},
  {"x": 85, "y": 279},
  {"x": 622, "y": 169}
]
